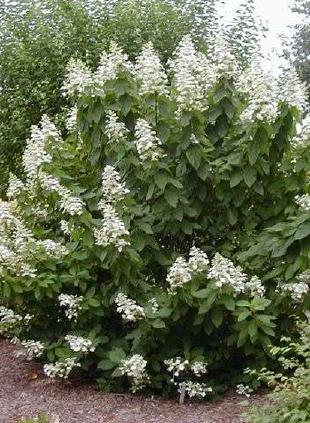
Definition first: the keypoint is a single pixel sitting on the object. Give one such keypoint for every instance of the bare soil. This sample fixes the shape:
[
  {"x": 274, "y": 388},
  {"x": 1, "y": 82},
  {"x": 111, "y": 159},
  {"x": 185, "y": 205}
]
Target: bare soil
[{"x": 25, "y": 391}]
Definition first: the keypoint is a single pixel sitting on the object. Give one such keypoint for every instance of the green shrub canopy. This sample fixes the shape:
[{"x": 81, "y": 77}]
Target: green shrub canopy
[
  {"x": 119, "y": 250},
  {"x": 37, "y": 39}
]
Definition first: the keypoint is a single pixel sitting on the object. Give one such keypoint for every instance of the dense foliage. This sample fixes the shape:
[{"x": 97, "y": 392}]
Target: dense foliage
[
  {"x": 37, "y": 39},
  {"x": 119, "y": 249},
  {"x": 36, "y": 43}
]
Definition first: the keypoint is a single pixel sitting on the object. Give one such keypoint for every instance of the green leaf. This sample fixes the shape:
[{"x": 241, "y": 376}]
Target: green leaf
[
  {"x": 204, "y": 171},
  {"x": 207, "y": 304},
  {"x": 235, "y": 179},
  {"x": 217, "y": 316},
  {"x": 202, "y": 293},
  {"x": 193, "y": 155},
  {"x": 150, "y": 192},
  {"x": 220, "y": 94},
  {"x": 161, "y": 180},
  {"x": 303, "y": 231},
  {"x": 171, "y": 197},
  {"x": 117, "y": 373},
  {"x": 145, "y": 227},
  {"x": 249, "y": 176},
  {"x": 158, "y": 324},
  {"x": 106, "y": 365},
  {"x": 116, "y": 355},
  {"x": 252, "y": 329},
  {"x": 62, "y": 352},
  {"x": 232, "y": 217},
  {"x": 267, "y": 330},
  {"x": 253, "y": 152},
  {"x": 214, "y": 114},
  {"x": 243, "y": 303},
  {"x": 161, "y": 258},
  {"x": 229, "y": 302},
  {"x": 229, "y": 108},
  {"x": 93, "y": 302},
  {"x": 244, "y": 315}
]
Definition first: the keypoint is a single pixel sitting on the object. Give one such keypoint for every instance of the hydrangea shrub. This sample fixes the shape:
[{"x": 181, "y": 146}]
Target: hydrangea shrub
[{"x": 123, "y": 249}]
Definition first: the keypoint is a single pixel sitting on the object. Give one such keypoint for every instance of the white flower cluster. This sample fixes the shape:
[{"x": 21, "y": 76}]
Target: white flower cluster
[
  {"x": 297, "y": 290},
  {"x": 264, "y": 92},
  {"x": 113, "y": 189},
  {"x": 64, "y": 226},
  {"x": 79, "y": 78},
  {"x": 194, "y": 139},
  {"x": 261, "y": 89},
  {"x": 40, "y": 211},
  {"x": 181, "y": 272},
  {"x": 244, "y": 390},
  {"x": 135, "y": 368},
  {"x": 15, "y": 186},
  {"x": 6, "y": 211},
  {"x": 154, "y": 305},
  {"x": 9, "y": 320},
  {"x": 115, "y": 130},
  {"x": 72, "y": 305},
  {"x": 19, "y": 247},
  {"x": 256, "y": 287},
  {"x": 303, "y": 201},
  {"x": 7, "y": 256},
  {"x": 223, "y": 272},
  {"x": 80, "y": 344},
  {"x": 61, "y": 369},
  {"x": 193, "y": 76},
  {"x": 52, "y": 248},
  {"x": 199, "y": 368},
  {"x": 33, "y": 349},
  {"x": 21, "y": 235},
  {"x": 128, "y": 308},
  {"x": 35, "y": 153},
  {"x": 69, "y": 203},
  {"x": 194, "y": 389},
  {"x": 303, "y": 132},
  {"x": 111, "y": 63},
  {"x": 292, "y": 90},
  {"x": 71, "y": 122},
  {"x": 16, "y": 242},
  {"x": 112, "y": 230},
  {"x": 176, "y": 366},
  {"x": 224, "y": 60},
  {"x": 150, "y": 72},
  {"x": 26, "y": 270},
  {"x": 146, "y": 141},
  {"x": 304, "y": 277},
  {"x": 198, "y": 260}
]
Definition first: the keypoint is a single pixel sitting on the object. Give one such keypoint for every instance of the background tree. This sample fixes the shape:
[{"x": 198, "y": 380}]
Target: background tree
[
  {"x": 245, "y": 33},
  {"x": 297, "y": 49}
]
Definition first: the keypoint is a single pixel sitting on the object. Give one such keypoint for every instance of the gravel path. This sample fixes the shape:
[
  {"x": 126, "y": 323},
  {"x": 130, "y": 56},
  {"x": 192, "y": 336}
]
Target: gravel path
[{"x": 24, "y": 391}]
